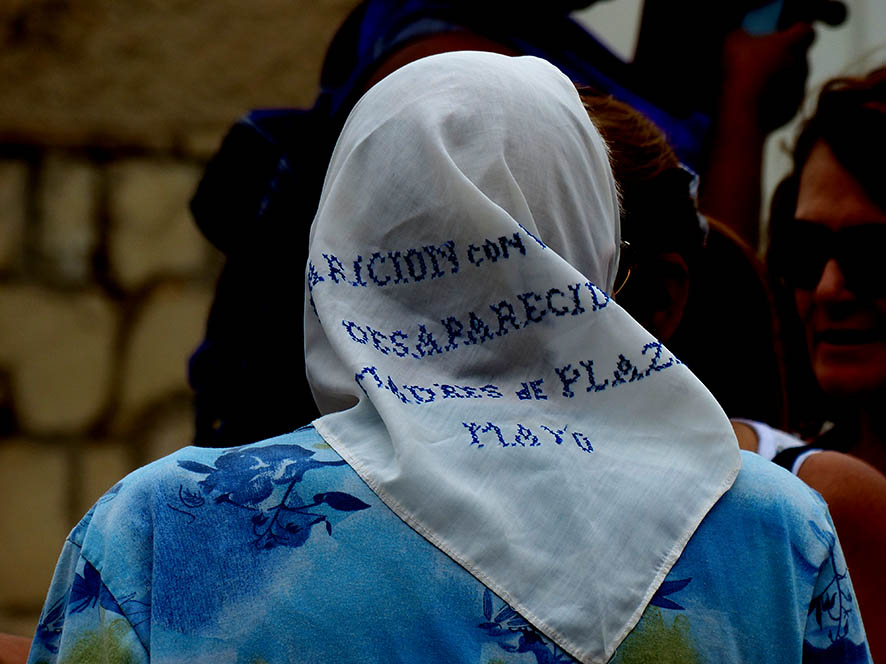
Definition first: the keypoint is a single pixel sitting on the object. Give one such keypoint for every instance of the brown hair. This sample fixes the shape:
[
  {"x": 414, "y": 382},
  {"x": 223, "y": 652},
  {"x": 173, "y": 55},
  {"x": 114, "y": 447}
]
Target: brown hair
[
  {"x": 659, "y": 217},
  {"x": 638, "y": 149},
  {"x": 658, "y": 210}
]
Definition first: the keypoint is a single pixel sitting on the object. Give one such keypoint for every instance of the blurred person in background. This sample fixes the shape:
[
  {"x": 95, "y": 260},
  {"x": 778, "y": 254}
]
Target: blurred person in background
[{"x": 826, "y": 254}]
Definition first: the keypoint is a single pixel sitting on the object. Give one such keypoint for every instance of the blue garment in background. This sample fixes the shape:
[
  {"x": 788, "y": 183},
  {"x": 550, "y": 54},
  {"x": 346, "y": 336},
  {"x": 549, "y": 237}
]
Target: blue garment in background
[{"x": 278, "y": 552}]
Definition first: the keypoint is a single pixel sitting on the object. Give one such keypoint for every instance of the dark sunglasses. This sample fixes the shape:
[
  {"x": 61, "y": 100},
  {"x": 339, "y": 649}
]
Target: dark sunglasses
[{"x": 858, "y": 250}]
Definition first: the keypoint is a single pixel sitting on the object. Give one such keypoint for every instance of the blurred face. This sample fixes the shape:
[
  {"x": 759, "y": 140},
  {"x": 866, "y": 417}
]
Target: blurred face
[{"x": 841, "y": 237}]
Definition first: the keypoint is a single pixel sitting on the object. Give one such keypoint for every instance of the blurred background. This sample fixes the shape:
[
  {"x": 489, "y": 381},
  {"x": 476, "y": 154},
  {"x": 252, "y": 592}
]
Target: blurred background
[{"x": 108, "y": 113}]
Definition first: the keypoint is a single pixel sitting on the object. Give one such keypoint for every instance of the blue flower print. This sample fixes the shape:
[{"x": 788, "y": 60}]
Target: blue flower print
[
  {"x": 660, "y": 598},
  {"x": 86, "y": 592},
  {"x": 49, "y": 630},
  {"x": 514, "y": 634},
  {"x": 832, "y": 609},
  {"x": 252, "y": 478}
]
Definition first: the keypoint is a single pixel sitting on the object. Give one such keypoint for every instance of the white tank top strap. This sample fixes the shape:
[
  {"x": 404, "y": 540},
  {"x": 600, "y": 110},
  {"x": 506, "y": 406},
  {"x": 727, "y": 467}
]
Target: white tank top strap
[{"x": 771, "y": 441}]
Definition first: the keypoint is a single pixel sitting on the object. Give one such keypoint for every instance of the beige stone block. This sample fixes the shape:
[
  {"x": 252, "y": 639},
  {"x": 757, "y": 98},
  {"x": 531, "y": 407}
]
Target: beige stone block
[
  {"x": 68, "y": 209},
  {"x": 201, "y": 144},
  {"x": 152, "y": 232},
  {"x": 58, "y": 350},
  {"x": 98, "y": 71},
  {"x": 103, "y": 465},
  {"x": 33, "y": 521},
  {"x": 168, "y": 328},
  {"x": 13, "y": 212}
]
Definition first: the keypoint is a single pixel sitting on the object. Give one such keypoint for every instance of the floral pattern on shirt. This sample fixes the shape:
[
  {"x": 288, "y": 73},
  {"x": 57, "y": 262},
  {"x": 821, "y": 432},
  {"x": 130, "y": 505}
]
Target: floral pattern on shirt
[{"x": 262, "y": 482}]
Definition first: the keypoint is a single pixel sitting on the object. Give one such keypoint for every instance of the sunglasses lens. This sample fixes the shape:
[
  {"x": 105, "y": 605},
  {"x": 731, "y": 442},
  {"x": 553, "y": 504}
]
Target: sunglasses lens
[
  {"x": 804, "y": 269},
  {"x": 811, "y": 246},
  {"x": 861, "y": 257},
  {"x": 859, "y": 250}
]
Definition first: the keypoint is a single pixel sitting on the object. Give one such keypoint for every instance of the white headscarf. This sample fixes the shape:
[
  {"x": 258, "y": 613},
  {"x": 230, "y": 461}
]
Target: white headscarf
[{"x": 474, "y": 371}]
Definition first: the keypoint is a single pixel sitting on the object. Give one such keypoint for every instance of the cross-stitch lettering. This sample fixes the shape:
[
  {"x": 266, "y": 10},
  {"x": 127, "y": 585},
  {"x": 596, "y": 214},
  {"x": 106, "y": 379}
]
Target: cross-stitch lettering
[
  {"x": 476, "y": 430},
  {"x": 654, "y": 365},
  {"x": 398, "y": 269},
  {"x": 377, "y": 257},
  {"x": 524, "y": 435},
  {"x": 371, "y": 371},
  {"x": 399, "y": 349},
  {"x": 582, "y": 441},
  {"x": 556, "y": 433},
  {"x": 595, "y": 292},
  {"x": 422, "y": 394},
  {"x": 426, "y": 344},
  {"x": 415, "y": 264},
  {"x": 495, "y": 250},
  {"x": 445, "y": 251},
  {"x": 554, "y": 310},
  {"x": 532, "y": 390},
  {"x": 378, "y": 340},
  {"x": 361, "y": 337},
  {"x": 472, "y": 328},
  {"x": 358, "y": 267},
  {"x": 393, "y": 389},
  {"x": 390, "y": 268},
  {"x": 531, "y": 309},
  {"x": 576, "y": 299},
  {"x": 314, "y": 278},
  {"x": 592, "y": 383},
  {"x": 625, "y": 371},
  {"x": 482, "y": 433},
  {"x": 504, "y": 311},
  {"x": 459, "y": 391},
  {"x": 453, "y": 329},
  {"x": 477, "y": 327},
  {"x": 567, "y": 380},
  {"x": 336, "y": 269}
]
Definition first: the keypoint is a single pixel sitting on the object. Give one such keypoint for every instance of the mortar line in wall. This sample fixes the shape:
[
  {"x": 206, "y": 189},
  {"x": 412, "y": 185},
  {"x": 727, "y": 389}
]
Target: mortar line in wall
[{"x": 35, "y": 160}]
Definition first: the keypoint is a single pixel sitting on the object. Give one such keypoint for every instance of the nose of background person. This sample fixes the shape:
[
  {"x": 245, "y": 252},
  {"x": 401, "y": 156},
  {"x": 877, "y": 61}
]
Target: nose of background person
[{"x": 831, "y": 286}]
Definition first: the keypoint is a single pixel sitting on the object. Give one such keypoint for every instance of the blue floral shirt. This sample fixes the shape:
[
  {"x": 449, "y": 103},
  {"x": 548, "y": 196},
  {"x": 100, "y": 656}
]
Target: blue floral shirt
[{"x": 278, "y": 552}]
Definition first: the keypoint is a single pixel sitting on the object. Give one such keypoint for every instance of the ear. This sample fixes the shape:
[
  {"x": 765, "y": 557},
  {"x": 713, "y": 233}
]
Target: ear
[{"x": 672, "y": 275}]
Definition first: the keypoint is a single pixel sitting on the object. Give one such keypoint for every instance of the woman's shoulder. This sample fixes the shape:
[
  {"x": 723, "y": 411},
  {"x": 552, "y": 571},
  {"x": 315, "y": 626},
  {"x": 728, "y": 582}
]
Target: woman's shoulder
[
  {"x": 133, "y": 500},
  {"x": 828, "y": 480},
  {"x": 764, "y": 482},
  {"x": 770, "y": 504},
  {"x": 768, "y": 530}
]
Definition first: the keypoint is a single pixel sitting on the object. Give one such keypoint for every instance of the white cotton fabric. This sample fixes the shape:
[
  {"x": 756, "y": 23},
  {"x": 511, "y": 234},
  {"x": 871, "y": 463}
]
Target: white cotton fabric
[{"x": 570, "y": 502}]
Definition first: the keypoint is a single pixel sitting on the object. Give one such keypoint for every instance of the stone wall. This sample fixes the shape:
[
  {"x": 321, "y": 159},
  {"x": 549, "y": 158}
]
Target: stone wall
[{"x": 105, "y": 282}]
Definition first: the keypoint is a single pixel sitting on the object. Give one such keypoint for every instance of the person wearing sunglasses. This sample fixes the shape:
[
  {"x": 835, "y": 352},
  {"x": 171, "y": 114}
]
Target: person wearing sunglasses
[{"x": 828, "y": 238}]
